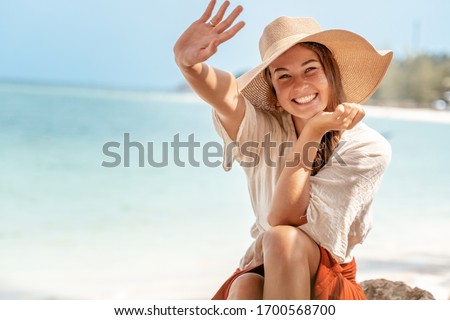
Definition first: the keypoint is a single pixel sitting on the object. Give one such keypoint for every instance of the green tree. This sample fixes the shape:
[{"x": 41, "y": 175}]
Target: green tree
[{"x": 414, "y": 81}]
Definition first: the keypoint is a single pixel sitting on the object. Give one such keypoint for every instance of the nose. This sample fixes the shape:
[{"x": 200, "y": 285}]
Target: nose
[{"x": 300, "y": 83}]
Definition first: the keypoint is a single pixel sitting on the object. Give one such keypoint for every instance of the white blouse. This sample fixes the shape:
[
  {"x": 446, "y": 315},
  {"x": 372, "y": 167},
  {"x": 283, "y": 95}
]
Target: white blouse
[{"x": 338, "y": 213}]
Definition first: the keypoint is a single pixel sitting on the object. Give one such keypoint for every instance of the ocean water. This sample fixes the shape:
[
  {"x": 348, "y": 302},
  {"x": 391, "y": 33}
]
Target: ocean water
[{"x": 77, "y": 223}]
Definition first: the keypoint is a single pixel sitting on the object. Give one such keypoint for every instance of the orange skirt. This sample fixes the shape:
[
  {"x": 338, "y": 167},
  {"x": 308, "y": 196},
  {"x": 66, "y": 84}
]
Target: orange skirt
[{"x": 333, "y": 281}]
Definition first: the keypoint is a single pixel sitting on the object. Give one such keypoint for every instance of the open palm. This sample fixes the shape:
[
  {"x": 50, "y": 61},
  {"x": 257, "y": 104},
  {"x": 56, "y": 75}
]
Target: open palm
[{"x": 201, "y": 40}]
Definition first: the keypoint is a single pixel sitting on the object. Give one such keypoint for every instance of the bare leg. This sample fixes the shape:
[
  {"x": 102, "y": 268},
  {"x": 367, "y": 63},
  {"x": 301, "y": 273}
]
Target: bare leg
[
  {"x": 248, "y": 286},
  {"x": 291, "y": 259}
]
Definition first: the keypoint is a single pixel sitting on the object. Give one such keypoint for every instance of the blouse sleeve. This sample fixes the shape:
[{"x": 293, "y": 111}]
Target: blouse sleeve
[
  {"x": 343, "y": 190},
  {"x": 254, "y": 126}
]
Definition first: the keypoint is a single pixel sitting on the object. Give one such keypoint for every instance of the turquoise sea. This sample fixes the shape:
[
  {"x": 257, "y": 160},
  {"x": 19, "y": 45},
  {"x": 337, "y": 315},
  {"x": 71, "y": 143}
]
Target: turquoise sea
[{"x": 73, "y": 228}]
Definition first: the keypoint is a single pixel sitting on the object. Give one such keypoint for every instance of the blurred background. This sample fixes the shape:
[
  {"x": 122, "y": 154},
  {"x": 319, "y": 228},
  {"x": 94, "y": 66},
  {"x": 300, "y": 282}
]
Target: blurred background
[{"x": 75, "y": 75}]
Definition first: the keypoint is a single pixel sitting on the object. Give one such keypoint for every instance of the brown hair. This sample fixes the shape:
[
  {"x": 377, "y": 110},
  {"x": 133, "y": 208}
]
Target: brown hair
[{"x": 336, "y": 96}]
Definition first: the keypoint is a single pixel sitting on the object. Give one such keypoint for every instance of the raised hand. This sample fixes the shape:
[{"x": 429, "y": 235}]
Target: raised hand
[{"x": 201, "y": 40}]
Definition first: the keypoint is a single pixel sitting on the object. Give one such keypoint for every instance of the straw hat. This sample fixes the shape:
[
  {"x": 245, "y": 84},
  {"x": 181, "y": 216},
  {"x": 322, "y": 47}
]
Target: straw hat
[{"x": 362, "y": 67}]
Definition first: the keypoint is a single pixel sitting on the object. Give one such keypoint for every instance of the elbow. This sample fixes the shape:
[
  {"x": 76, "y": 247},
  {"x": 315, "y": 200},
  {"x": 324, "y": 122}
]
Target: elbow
[
  {"x": 273, "y": 221},
  {"x": 286, "y": 219}
]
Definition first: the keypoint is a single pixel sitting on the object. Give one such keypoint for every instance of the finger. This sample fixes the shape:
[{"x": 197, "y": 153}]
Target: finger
[
  {"x": 352, "y": 112},
  {"x": 225, "y": 24},
  {"x": 219, "y": 15},
  {"x": 230, "y": 33},
  {"x": 344, "y": 114},
  {"x": 212, "y": 48},
  {"x": 339, "y": 111},
  {"x": 351, "y": 119},
  {"x": 358, "y": 117},
  {"x": 208, "y": 12}
]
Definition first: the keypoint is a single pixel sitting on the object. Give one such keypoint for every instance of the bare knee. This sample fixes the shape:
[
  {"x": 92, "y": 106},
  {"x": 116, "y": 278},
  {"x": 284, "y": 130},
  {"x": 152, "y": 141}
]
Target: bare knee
[
  {"x": 248, "y": 286},
  {"x": 284, "y": 240},
  {"x": 290, "y": 245}
]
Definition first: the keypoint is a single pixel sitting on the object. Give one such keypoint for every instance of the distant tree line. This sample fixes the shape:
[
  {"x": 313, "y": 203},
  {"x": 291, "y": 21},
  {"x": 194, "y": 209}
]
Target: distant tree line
[{"x": 415, "y": 81}]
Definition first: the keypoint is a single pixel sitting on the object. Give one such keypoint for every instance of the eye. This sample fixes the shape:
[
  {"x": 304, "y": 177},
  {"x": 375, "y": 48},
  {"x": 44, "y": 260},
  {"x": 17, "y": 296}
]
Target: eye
[
  {"x": 283, "y": 76},
  {"x": 310, "y": 69}
]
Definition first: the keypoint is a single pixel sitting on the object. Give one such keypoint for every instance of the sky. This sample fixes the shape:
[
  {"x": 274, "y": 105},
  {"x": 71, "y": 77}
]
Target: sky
[{"x": 128, "y": 43}]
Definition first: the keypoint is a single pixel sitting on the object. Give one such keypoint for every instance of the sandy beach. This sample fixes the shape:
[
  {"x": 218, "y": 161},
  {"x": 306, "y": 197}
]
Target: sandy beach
[
  {"x": 408, "y": 114},
  {"x": 74, "y": 230}
]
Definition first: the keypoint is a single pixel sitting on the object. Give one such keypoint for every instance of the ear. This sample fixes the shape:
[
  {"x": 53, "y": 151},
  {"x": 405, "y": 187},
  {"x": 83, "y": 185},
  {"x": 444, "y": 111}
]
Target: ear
[{"x": 278, "y": 107}]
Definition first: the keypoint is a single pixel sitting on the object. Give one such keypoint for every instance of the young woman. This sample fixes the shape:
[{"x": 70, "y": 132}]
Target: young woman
[{"x": 312, "y": 166}]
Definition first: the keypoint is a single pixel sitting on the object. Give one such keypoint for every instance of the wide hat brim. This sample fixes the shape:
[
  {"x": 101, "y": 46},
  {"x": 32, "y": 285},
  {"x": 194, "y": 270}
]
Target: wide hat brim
[{"x": 362, "y": 67}]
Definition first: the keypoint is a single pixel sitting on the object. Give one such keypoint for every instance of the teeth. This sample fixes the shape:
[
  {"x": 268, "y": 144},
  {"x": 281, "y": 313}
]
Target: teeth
[{"x": 305, "y": 99}]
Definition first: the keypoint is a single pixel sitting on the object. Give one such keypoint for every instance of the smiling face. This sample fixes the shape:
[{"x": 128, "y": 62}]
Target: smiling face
[{"x": 300, "y": 83}]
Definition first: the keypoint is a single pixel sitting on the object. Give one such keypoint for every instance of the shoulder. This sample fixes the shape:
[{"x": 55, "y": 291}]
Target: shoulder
[
  {"x": 256, "y": 124},
  {"x": 365, "y": 138},
  {"x": 365, "y": 142}
]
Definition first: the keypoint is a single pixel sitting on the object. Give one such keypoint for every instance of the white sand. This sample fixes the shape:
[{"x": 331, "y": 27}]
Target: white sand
[{"x": 422, "y": 115}]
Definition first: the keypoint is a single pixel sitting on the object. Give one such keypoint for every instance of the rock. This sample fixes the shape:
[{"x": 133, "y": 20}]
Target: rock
[{"x": 382, "y": 289}]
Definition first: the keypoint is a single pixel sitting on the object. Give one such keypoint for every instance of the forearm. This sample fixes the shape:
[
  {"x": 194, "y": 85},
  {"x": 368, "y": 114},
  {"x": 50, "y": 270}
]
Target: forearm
[
  {"x": 292, "y": 193},
  {"x": 195, "y": 46},
  {"x": 217, "y": 87}
]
